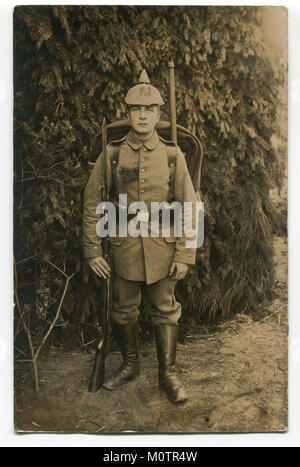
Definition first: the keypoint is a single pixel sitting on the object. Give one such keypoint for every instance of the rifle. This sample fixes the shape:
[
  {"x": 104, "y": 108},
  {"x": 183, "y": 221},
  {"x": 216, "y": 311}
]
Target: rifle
[
  {"x": 98, "y": 373},
  {"x": 173, "y": 127}
]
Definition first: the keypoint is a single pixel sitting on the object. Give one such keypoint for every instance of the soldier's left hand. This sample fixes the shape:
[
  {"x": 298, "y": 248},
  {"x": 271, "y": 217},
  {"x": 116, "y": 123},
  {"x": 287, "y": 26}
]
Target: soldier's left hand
[{"x": 178, "y": 271}]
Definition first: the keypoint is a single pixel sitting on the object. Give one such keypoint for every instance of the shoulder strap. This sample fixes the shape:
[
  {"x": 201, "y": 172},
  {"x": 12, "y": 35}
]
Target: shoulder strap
[{"x": 172, "y": 153}]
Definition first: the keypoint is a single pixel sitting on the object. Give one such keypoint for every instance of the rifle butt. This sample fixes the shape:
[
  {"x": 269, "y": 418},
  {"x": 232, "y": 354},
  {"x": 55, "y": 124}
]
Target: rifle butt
[{"x": 97, "y": 377}]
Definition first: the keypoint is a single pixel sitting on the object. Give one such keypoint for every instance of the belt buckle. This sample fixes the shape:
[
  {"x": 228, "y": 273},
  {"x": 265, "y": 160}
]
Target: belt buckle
[{"x": 143, "y": 216}]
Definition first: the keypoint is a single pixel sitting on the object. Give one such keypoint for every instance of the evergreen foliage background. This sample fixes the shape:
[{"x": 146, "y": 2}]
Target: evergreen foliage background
[{"x": 72, "y": 67}]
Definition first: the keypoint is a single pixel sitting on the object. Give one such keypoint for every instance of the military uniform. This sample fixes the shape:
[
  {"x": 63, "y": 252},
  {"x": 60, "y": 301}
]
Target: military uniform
[
  {"x": 142, "y": 171},
  {"x": 143, "y": 174}
]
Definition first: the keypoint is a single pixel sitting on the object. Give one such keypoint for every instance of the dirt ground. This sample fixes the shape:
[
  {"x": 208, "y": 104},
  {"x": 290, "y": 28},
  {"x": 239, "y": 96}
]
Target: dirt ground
[{"x": 235, "y": 374}]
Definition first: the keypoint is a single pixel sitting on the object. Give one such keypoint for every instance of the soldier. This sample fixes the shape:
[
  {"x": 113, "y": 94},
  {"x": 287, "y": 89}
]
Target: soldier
[{"x": 147, "y": 168}]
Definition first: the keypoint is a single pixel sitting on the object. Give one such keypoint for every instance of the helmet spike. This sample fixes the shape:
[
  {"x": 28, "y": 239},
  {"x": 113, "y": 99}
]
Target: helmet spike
[{"x": 144, "y": 77}]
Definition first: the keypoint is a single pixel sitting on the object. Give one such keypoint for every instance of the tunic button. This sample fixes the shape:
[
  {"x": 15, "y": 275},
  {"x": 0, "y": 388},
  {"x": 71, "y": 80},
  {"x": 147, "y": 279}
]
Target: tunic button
[
  {"x": 142, "y": 181},
  {"x": 143, "y": 170},
  {"x": 142, "y": 191}
]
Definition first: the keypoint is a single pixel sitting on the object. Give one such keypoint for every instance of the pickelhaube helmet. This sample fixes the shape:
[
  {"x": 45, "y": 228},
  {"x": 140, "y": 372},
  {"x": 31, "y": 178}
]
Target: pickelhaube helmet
[{"x": 143, "y": 93}]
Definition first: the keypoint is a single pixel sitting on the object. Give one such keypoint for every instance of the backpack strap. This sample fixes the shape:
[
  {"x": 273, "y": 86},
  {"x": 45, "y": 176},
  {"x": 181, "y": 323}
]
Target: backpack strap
[
  {"x": 114, "y": 153},
  {"x": 114, "y": 162},
  {"x": 172, "y": 157}
]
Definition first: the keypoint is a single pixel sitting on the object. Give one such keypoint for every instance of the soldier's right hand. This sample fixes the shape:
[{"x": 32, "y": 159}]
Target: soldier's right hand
[{"x": 99, "y": 266}]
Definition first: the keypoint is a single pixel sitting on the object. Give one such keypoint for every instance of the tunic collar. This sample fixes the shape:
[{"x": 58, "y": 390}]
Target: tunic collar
[{"x": 136, "y": 143}]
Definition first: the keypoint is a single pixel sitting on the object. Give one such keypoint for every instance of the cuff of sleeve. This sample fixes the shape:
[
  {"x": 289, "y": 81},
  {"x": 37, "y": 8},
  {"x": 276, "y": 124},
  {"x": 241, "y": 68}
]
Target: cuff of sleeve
[
  {"x": 185, "y": 257},
  {"x": 93, "y": 251}
]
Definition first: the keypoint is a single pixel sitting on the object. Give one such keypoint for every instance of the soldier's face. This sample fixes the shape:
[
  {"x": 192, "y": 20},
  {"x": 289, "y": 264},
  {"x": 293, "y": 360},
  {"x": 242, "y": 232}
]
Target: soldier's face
[{"x": 143, "y": 118}]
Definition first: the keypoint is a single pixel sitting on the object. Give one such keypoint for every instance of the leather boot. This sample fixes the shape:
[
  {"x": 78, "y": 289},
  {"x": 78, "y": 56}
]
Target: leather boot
[
  {"x": 127, "y": 337},
  {"x": 169, "y": 381}
]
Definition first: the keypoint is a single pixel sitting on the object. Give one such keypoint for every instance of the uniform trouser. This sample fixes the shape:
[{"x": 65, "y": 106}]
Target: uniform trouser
[{"x": 127, "y": 299}]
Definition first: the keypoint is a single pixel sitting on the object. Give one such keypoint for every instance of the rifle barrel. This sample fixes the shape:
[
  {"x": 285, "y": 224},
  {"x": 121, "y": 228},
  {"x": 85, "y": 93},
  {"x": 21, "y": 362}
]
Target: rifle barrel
[{"x": 171, "y": 67}]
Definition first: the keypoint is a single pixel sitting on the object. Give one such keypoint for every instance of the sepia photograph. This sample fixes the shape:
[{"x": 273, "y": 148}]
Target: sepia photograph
[{"x": 150, "y": 219}]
